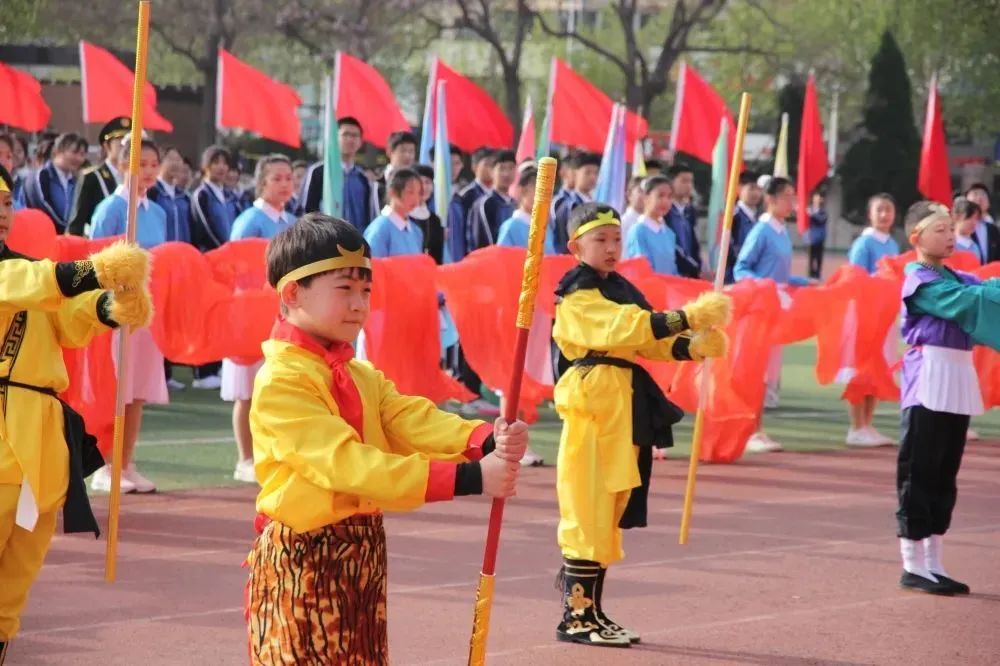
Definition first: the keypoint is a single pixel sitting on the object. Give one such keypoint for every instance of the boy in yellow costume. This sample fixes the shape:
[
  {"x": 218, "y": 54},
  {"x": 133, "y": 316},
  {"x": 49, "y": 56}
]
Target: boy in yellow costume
[
  {"x": 45, "y": 454},
  {"x": 613, "y": 412},
  {"x": 335, "y": 445}
]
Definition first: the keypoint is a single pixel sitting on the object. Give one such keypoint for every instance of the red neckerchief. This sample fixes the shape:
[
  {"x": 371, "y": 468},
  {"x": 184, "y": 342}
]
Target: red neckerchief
[{"x": 336, "y": 355}]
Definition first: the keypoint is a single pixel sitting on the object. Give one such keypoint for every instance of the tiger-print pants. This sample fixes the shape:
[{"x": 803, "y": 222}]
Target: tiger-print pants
[{"x": 319, "y": 597}]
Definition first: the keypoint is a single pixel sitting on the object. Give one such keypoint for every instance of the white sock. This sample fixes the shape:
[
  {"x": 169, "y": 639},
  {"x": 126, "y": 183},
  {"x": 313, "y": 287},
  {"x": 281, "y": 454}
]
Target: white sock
[
  {"x": 933, "y": 547},
  {"x": 914, "y": 560}
]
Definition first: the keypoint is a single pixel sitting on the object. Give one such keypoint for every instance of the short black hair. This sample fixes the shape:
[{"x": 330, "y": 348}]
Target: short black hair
[
  {"x": 776, "y": 185},
  {"x": 979, "y": 186},
  {"x": 215, "y": 152},
  {"x": 963, "y": 209},
  {"x": 587, "y": 213},
  {"x": 505, "y": 156},
  {"x": 881, "y": 196},
  {"x": 69, "y": 141},
  {"x": 397, "y": 139},
  {"x": 677, "y": 169},
  {"x": 748, "y": 178},
  {"x": 400, "y": 178},
  {"x": 527, "y": 177},
  {"x": 353, "y": 122},
  {"x": 455, "y": 150},
  {"x": 654, "y": 163},
  {"x": 585, "y": 159},
  {"x": 300, "y": 164},
  {"x": 313, "y": 238},
  {"x": 6, "y": 178},
  {"x": 651, "y": 183},
  {"x": 483, "y": 153},
  {"x": 424, "y": 171}
]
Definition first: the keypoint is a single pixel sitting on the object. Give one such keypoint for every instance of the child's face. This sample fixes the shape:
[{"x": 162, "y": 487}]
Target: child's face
[
  {"x": 586, "y": 178},
  {"x": 426, "y": 188},
  {"x": 149, "y": 167},
  {"x": 659, "y": 201},
  {"x": 410, "y": 197},
  {"x": 636, "y": 199},
  {"x": 349, "y": 137},
  {"x": 937, "y": 240},
  {"x": 881, "y": 215},
  {"x": 683, "y": 184},
  {"x": 980, "y": 198},
  {"x": 70, "y": 160},
  {"x": 232, "y": 178},
  {"x": 966, "y": 227},
  {"x": 567, "y": 175},
  {"x": 298, "y": 175},
  {"x": 278, "y": 185},
  {"x": 817, "y": 201},
  {"x": 750, "y": 194},
  {"x": 456, "y": 165},
  {"x": 334, "y": 307},
  {"x": 6, "y": 214},
  {"x": 217, "y": 170},
  {"x": 599, "y": 248},
  {"x": 403, "y": 155},
  {"x": 503, "y": 175},
  {"x": 782, "y": 204},
  {"x": 526, "y": 196},
  {"x": 484, "y": 172}
]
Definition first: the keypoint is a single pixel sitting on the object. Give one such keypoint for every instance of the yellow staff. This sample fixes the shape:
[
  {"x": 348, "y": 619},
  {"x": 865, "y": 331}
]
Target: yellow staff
[
  {"x": 525, "y": 312},
  {"x": 735, "y": 166},
  {"x": 135, "y": 150}
]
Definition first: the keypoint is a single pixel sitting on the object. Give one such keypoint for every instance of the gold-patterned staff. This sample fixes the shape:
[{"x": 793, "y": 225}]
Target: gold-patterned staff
[
  {"x": 135, "y": 149},
  {"x": 525, "y": 313}
]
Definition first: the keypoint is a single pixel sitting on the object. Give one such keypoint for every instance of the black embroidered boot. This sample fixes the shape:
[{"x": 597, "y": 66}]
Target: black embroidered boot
[
  {"x": 606, "y": 621},
  {"x": 580, "y": 623}
]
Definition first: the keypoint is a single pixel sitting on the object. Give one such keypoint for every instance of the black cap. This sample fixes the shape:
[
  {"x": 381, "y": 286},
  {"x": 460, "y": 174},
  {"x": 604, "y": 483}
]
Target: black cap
[{"x": 116, "y": 128}]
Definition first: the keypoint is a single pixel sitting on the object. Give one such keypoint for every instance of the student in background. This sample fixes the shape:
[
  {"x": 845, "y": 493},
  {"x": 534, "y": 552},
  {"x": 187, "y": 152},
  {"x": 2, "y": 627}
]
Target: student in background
[
  {"x": 99, "y": 181},
  {"x": 425, "y": 218},
  {"x": 651, "y": 237},
  {"x": 683, "y": 219},
  {"x": 172, "y": 198},
  {"x": 816, "y": 234},
  {"x": 514, "y": 230},
  {"x": 299, "y": 169},
  {"x": 636, "y": 205},
  {"x": 585, "y": 167},
  {"x": 459, "y": 237},
  {"x": 966, "y": 215},
  {"x": 987, "y": 234},
  {"x": 360, "y": 207},
  {"x": 744, "y": 217},
  {"x": 51, "y": 188},
  {"x": 490, "y": 210}
]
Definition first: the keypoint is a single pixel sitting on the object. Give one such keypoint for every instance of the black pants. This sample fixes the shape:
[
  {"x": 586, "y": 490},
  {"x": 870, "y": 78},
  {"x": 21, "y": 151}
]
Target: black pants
[
  {"x": 927, "y": 469},
  {"x": 467, "y": 375},
  {"x": 207, "y": 370},
  {"x": 816, "y": 260}
]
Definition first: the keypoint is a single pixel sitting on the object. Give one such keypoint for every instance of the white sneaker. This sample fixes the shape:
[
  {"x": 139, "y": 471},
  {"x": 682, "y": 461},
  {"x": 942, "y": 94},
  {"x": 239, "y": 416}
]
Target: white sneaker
[
  {"x": 210, "y": 383},
  {"x": 771, "y": 399},
  {"x": 861, "y": 438},
  {"x": 244, "y": 472},
  {"x": 531, "y": 459},
  {"x": 971, "y": 435},
  {"x": 141, "y": 483},
  {"x": 759, "y": 442},
  {"x": 659, "y": 454},
  {"x": 879, "y": 437},
  {"x": 175, "y": 385},
  {"x": 479, "y": 407},
  {"x": 100, "y": 481}
]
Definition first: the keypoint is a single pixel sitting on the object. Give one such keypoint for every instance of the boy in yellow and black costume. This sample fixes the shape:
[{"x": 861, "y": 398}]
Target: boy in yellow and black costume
[
  {"x": 613, "y": 412},
  {"x": 45, "y": 453}
]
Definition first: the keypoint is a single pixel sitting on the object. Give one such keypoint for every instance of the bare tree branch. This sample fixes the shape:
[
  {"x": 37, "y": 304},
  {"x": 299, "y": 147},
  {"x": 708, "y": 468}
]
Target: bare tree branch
[
  {"x": 186, "y": 51},
  {"x": 585, "y": 41}
]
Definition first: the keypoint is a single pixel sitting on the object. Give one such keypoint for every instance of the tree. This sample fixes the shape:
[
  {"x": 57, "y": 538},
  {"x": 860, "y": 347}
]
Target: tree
[
  {"x": 504, "y": 32},
  {"x": 644, "y": 62},
  {"x": 886, "y": 154}
]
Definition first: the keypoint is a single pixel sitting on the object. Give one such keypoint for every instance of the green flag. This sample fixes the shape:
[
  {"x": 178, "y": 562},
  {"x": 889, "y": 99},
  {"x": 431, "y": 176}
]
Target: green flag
[
  {"x": 333, "y": 167},
  {"x": 717, "y": 197}
]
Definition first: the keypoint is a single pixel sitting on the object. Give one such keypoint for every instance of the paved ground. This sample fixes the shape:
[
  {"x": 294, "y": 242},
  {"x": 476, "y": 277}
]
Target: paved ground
[{"x": 792, "y": 561}]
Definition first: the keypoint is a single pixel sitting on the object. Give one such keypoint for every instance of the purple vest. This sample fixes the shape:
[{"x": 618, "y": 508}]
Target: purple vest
[{"x": 923, "y": 329}]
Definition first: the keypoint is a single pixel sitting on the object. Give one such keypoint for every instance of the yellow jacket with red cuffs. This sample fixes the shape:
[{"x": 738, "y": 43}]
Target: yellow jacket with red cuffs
[{"x": 319, "y": 462}]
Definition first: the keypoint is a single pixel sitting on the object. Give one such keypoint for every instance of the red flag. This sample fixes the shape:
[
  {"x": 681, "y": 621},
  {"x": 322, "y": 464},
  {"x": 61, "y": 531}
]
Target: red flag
[
  {"x": 698, "y": 114},
  {"x": 250, "y": 100},
  {"x": 361, "y": 92},
  {"x": 107, "y": 83},
  {"x": 474, "y": 119},
  {"x": 526, "y": 143},
  {"x": 581, "y": 113},
  {"x": 934, "y": 181},
  {"x": 813, "y": 165},
  {"x": 23, "y": 106}
]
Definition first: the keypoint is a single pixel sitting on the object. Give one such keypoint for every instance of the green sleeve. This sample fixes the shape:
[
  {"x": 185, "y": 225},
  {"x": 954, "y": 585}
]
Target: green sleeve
[{"x": 974, "y": 307}]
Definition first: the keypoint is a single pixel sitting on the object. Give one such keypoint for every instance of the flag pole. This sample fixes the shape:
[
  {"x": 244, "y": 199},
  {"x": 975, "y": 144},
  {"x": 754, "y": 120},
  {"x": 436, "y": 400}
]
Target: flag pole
[
  {"x": 135, "y": 150},
  {"x": 525, "y": 313},
  {"x": 735, "y": 166}
]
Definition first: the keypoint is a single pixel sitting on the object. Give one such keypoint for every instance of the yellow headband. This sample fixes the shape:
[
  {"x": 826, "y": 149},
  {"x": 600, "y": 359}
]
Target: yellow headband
[
  {"x": 603, "y": 219},
  {"x": 348, "y": 259},
  {"x": 937, "y": 212},
  {"x": 3, "y": 186}
]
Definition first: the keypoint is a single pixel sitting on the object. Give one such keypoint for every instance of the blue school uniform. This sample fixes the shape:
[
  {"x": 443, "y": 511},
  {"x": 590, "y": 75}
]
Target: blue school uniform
[
  {"x": 111, "y": 215},
  {"x": 484, "y": 220},
  {"x": 460, "y": 241},
  {"x": 52, "y": 192},
  {"x": 176, "y": 203},
  {"x": 360, "y": 197},
  {"x": 655, "y": 241},
  {"x": 743, "y": 220},
  {"x": 767, "y": 253},
  {"x": 260, "y": 220},
  {"x": 560, "y": 216},
  {"x": 392, "y": 236},
  {"x": 514, "y": 232},
  {"x": 869, "y": 247},
  {"x": 213, "y": 211},
  {"x": 683, "y": 220}
]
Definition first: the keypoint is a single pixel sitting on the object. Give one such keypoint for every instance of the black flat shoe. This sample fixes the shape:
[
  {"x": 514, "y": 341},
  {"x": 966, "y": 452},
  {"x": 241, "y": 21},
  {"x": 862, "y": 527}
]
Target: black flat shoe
[
  {"x": 956, "y": 586},
  {"x": 910, "y": 581}
]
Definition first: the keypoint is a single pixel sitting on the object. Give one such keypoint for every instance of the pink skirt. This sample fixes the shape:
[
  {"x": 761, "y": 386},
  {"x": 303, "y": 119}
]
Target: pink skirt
[{"x": 146, "y": 380}]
